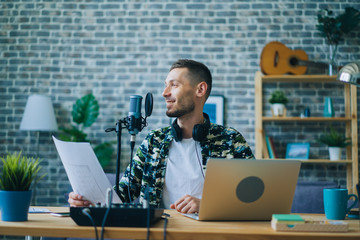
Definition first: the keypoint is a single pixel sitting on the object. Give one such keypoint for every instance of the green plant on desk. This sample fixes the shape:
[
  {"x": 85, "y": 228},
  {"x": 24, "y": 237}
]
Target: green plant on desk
[{"x": 19, "y": 174}]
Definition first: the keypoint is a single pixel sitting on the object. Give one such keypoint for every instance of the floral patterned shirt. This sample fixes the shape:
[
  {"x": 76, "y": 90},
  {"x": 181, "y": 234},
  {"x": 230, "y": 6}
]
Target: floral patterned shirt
[{"x": 149, "y": 164}]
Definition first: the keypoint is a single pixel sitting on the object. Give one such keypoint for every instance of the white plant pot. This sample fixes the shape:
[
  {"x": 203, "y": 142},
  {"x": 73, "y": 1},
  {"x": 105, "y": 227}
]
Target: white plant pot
[
  {"x": 335, "y": 153},
  {"x": 278, "y": 109}
]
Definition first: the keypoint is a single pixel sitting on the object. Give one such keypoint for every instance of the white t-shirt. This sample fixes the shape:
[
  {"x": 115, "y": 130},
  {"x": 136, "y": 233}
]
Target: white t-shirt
[{"x": 184, "y": 174}]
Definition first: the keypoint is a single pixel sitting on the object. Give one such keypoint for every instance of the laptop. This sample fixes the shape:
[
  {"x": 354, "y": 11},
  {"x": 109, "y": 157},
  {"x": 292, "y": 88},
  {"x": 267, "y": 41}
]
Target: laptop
[{"x": 238, "y": 189}]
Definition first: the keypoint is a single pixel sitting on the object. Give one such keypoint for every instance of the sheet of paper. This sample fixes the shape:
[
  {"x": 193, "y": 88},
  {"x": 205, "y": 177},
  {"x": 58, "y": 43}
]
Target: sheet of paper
[
  {"x": 84, "y": 171},
  {"x": 38, "y": 210}
]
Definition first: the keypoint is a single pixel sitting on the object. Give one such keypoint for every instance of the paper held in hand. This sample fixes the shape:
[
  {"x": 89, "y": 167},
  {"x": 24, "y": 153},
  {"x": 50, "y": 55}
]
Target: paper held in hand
[{"x": 84, "y": 171}]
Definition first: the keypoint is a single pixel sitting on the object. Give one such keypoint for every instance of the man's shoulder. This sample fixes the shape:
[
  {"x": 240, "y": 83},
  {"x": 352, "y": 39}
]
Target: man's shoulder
[
  {"x": 221, "y": 133},
  {"x": 228, "y": 142},
  {"x": 221, "y": 130},
  {"x": 160, "y": 131},
  {"x": 159, "y": 134}
]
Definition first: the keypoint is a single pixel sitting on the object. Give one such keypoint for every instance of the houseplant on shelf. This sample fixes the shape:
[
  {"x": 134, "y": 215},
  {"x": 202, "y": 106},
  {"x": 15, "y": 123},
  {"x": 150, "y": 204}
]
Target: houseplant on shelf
[
  {"x": 278, "y": 101},
  {"x": 18, "y": 175},
  {"x": 335, "y": 142},
  {"x": 333, "y": 29}
]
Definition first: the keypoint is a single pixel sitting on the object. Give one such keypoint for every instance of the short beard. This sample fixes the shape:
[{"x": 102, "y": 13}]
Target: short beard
[{"x": 181, "y": 112}]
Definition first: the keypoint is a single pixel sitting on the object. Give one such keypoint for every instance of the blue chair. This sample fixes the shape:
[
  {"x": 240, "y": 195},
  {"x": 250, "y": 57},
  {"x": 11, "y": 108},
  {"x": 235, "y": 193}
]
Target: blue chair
[{"x": 308, "y": 196}]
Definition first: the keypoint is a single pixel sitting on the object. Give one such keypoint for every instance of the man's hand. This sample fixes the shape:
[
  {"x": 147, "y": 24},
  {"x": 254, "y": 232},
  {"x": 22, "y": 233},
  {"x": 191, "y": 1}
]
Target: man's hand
[
  {"x": 187, "y": 204},
  {"x": 77, "y": 200}
]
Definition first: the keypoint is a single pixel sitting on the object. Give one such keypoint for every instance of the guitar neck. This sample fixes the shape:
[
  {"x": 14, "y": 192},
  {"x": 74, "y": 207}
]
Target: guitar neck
[{"x": 311, "y": 64}]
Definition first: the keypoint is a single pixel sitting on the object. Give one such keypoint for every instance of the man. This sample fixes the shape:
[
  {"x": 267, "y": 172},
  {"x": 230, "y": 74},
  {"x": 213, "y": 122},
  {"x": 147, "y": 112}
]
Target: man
[{"x": 169, "y": 167}]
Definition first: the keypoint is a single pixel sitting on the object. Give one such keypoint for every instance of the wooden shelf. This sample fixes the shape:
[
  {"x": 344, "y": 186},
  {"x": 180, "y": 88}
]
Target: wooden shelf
[
  {"x": 308, "y": 119},
  {"x": 349, "y": 119},
  {"x": 327, "y": 161},
  {"x": 299, "y": 78},
  {"x": 322, "y": 161}
]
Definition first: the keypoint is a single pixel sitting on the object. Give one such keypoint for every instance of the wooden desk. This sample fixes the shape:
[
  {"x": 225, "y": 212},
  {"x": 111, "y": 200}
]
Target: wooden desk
[{"x": 179, "y": 227}]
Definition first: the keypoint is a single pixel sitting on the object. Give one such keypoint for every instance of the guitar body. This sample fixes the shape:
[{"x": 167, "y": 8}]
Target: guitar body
[{"x": 276, "y": 58}]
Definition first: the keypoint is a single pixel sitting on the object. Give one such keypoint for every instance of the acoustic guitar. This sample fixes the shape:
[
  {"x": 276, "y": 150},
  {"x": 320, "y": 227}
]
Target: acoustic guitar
[{"x": 276, "y": 58}]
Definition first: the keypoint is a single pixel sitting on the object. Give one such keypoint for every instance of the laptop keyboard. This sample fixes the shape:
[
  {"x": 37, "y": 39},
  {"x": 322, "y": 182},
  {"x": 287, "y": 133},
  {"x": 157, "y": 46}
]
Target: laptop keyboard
[{"x": 192, "y": 215}]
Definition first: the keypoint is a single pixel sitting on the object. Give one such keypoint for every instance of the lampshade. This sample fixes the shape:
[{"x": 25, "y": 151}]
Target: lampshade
[
  {"x": 350, "y": 73},
  {"x": 39, "y": 115}
]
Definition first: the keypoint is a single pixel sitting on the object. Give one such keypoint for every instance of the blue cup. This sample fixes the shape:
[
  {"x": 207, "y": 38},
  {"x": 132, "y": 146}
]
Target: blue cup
[{"x": 335, "y": 203}]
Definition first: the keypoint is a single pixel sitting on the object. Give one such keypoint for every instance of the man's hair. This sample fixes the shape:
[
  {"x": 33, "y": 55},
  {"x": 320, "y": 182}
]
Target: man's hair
[{"x": 198, "y": 72}]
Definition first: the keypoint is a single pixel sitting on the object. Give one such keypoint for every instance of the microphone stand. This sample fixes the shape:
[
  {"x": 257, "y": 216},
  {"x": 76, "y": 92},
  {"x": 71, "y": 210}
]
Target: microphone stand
[{"x": 118, "y": 130}]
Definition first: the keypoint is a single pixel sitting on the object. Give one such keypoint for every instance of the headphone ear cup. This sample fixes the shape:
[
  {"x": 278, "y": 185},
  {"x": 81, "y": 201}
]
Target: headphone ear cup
[
  {"x": 176, "y": 131},
  {"x": 200, "y": 131}
]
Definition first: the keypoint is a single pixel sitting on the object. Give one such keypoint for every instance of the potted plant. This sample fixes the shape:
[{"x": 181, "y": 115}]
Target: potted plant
[
  {"x": 278, "y": 101},
  {"x": 333, "y": 29},
  {"x": 84, "y": 113},
  {"x": 335, "y": 142},
  {"x": 19, "y": 173}
]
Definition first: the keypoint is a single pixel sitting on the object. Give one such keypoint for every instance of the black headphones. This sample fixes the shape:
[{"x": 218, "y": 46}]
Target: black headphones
[{"x": 199, "y": 133}]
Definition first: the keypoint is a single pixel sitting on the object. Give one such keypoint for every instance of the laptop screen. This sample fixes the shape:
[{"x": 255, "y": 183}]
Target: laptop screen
[{"x": 238, "y": 189}]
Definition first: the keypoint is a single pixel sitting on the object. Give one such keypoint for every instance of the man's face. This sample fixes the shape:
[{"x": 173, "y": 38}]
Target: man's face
[{"x": 179, "y": 94}]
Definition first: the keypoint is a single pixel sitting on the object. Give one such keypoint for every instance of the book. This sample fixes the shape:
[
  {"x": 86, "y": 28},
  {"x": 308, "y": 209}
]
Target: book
[
  {"x": 265, "y": 149},
  {"x": 272, "y": 145},
  {"x": 287, "y": 218},
  {"x": 268, "y": 144}
]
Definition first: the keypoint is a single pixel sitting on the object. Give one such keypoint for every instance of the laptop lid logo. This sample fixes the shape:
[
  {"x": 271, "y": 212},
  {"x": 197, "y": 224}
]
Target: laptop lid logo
[{"x": 250, "y": 189}]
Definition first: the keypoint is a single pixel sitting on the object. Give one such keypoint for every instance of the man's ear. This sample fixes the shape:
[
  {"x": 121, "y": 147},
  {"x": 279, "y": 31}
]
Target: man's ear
[{"x": 201, "y": 89}]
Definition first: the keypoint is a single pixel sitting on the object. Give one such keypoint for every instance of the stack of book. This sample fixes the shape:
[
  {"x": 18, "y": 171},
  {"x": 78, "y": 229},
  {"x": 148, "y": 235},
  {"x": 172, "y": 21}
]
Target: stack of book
[
  {"x": 269, "y": 147},
  {"x": 298, "y": 223}
]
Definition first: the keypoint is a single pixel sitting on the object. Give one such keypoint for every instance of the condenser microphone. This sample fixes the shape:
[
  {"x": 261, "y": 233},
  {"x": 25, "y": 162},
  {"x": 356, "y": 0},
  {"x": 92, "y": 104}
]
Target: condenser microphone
[
  {"x": 134, "y": 122},
  {"x": 134, "y": 117}
]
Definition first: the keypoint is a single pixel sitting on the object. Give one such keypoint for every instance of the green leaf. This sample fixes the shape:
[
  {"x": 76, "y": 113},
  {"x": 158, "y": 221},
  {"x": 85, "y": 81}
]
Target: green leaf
[
  {"x": 19, "y": 173},
  {"x": 73, "y": 135},
  {"x": 85, "y": 110},
  {"x": 278, "y": 97},
  {"x": 104, "y": 153},
  {"x": 334, "y": 139},
  {"x": 333, "y": 29},
  {"x": 350, "y": 20}
]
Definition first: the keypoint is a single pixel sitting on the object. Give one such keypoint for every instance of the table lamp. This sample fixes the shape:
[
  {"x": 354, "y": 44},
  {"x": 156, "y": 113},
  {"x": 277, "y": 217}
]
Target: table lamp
[
  {"x": 39, "y": 116},
  {"x": 350, "y": 73}
]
